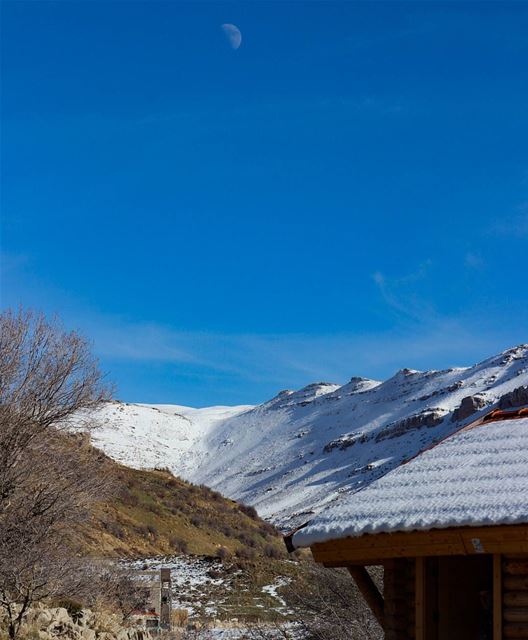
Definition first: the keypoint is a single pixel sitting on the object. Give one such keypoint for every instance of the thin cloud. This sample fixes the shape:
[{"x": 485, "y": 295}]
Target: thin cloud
[
  {"x": 261, "y": 364},
  {"x": 293, "y": 360},
  {"x": 400, "y": 294}
]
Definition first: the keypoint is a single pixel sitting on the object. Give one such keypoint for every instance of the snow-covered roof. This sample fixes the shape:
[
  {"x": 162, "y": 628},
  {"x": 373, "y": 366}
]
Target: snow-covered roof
[{"x": 476, "y": 477}]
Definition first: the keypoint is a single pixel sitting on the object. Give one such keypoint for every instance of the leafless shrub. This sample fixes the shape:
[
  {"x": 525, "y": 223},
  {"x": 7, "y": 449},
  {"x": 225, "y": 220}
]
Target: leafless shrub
[
  {"x": 270, "y": 551},
  {"x": 197, "y": 521},
  {"x": 223, "y": 554},
  {"x": 114, "y": 529},
  {"x": 267, "y": 528},
  {"x": 180, "y": 617},
  {"x": 243, "y": 553},
  {"x": 332, "y": 607},
  {"x": 128, "y": 498},
  {"x": 120, "y": 590},
  {"x": 142, "y": 529},
  {"x": 248, "y": 510},
  {"x": 329, "y": 607},
  {"x": 246, "y": 539},
  {"x": 178, "y": 544}
]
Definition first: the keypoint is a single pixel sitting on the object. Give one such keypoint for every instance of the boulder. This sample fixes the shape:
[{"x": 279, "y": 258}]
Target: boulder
[
  {"x": 55, "y": 623},
  {"x": 516, "y": 398},
  {"x": 468, "y": 406},
  {"x": 123, "y": 634},
  {"x": 60, "y": 616},
  {"x": 42, "y": 618},
  {"x": 87, "y": 634}
]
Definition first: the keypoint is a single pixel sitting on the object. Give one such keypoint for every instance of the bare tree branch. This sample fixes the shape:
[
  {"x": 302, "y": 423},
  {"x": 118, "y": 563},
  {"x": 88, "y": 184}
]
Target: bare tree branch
[{"x": 49, "y": 478}]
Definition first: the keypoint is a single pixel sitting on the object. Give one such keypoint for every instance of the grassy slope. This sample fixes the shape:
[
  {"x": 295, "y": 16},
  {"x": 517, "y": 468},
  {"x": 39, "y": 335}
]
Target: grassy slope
[{"x": 155, "y": 513}]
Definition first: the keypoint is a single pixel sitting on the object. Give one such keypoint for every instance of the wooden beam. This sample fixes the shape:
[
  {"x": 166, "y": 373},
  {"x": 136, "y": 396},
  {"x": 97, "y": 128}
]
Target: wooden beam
[
  {"x": 436, "y": 542},
  {"x": 497, "y": 597},
  {"x": 370, "y": 562},
  {"x": 420, "y": 598},
  {"x": 369, "y": 591}
]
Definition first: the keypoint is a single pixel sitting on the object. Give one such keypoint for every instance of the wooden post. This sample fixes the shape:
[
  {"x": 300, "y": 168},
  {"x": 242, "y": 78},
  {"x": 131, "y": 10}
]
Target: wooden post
[
  {"x": 497, "y": 597},
  {"x": 420, "y": 598},
  {"x": 165, "y": 599},
  {"x": 369, "y": 591}
]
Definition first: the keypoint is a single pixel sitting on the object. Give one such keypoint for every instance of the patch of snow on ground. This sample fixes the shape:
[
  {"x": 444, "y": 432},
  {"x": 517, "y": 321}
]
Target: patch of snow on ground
[
  {"x": 191, "y": 579},
  {"x": 272, "y": 590}
]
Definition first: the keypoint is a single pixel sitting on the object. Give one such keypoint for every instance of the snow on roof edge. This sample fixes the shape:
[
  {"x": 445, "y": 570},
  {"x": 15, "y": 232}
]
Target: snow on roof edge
[{"x": 459, "y": 510}]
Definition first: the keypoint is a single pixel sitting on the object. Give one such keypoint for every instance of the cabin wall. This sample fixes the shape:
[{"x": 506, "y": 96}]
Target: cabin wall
[
  {"x": 399, "y": 596},
  {"x": 460, "y": 592},
  {"x": 515, "y": 596},
  {"x": 464, "y": 607},
  {"x": 441, "y": 598}
]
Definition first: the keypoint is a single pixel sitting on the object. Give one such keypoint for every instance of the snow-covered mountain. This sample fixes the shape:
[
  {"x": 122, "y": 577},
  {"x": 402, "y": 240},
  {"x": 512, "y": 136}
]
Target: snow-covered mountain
[{"x": 303, "y": 449}]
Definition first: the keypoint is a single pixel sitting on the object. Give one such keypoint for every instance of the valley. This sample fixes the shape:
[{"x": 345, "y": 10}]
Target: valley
[{"x": 291, "y": 456}]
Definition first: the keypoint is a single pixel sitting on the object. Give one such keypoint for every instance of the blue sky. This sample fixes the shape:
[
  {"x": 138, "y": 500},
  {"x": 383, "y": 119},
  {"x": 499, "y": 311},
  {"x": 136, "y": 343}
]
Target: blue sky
[{"x": 345, "y": 194}]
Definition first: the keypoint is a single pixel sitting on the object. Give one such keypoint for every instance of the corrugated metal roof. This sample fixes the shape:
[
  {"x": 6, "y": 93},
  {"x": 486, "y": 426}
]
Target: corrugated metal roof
[{"x": 477, "y": 477}]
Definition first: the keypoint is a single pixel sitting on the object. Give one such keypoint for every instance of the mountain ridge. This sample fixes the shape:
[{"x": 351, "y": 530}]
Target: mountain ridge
[{"x": 297, "y": 452}]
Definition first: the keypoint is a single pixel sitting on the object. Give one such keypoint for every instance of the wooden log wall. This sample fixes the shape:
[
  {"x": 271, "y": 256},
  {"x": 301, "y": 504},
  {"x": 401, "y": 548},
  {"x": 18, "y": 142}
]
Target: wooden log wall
[
  {"x": 515, "y": 597},
  {"x": 398, "y": 592}
]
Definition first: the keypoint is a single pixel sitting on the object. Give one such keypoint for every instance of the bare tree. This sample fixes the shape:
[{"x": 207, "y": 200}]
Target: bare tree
[
  {"x": 49, "y": 477},
  {"x": 331, "y": 606},
  {"x": 47, "y": 376},
  {"x": 121, "y": 588}
]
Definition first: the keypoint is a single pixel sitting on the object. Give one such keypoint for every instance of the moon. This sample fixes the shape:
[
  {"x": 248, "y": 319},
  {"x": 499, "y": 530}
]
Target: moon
[{"x": 233, "y": 35}]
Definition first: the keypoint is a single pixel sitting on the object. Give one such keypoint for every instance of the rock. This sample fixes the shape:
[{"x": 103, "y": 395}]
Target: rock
[
  {"x": 55, "y": 623},
  {"x": 123, "y": 634},
  {"x": 468, "y": 406},
  {"x": 60, "y": 616},
  {"x": 88, "y": 617},
  {"x": 427, "y": 418},
  {"x": 516, "y": 398},
  {"x": 345, "y": 441},
  {"x": 42, "y": 618},
  {"x": 87, "y": 634}
]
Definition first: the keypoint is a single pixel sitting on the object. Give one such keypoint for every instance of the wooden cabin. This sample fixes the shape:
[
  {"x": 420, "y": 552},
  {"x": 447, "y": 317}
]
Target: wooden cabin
[{"x": 450, "y": 528}]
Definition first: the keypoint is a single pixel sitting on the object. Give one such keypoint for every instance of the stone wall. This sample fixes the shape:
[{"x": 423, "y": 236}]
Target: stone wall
[{"x": 43, "y": 623}]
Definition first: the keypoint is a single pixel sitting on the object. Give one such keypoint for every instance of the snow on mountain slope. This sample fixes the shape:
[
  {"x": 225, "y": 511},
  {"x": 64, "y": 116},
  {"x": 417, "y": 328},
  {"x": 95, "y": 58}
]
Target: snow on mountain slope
[
  {"x": 149, "y": 436},
  {"x": 301, "y": 450}
]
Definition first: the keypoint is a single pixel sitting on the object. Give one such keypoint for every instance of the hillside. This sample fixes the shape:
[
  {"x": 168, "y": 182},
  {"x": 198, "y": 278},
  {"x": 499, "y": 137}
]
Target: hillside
[
  {"x": 154, "y": 513},
  {"x": 301, "y": 450},
  {"x": 226, "y": 563}
]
